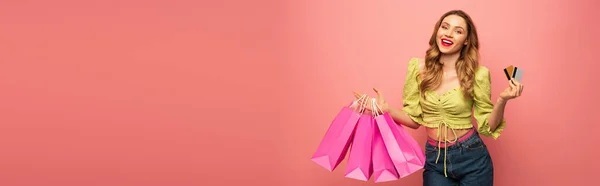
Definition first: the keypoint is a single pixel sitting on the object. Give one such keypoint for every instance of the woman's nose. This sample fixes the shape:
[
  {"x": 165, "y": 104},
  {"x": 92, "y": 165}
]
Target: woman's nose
[{"x": 448, "y": 34}]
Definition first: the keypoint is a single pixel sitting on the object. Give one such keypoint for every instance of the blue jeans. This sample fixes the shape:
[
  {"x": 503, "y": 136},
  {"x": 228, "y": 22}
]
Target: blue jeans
[{"x": 468, "y": 163}]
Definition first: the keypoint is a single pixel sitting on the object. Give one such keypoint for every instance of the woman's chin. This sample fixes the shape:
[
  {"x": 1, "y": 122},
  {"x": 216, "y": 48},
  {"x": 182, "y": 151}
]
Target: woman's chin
[{"x": 446, "y": 51}]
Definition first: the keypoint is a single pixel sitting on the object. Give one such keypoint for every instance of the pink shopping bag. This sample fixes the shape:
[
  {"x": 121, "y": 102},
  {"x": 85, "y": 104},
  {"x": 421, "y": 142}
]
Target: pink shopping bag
[
  {"x": 383, "y": 167},
  {"x": 413, "y": 144},
  {"x": 359, "y": 161},
  {"x": 407, "y": 157},
  {"x": 334, "y": 145}
]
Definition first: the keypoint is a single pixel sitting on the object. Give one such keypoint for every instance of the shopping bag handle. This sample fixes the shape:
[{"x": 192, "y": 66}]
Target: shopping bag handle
[
  {"x": 376, "y": 108},
  {"x": 362, "y": 106}
]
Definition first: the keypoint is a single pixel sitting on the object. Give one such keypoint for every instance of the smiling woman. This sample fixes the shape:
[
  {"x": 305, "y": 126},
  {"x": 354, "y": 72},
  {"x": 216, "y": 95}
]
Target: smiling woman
[{"x": 442, "y": 92}]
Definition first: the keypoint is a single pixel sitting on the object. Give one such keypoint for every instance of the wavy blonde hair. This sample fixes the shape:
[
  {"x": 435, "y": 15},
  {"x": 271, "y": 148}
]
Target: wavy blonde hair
[{"x": 465, "y": 66}]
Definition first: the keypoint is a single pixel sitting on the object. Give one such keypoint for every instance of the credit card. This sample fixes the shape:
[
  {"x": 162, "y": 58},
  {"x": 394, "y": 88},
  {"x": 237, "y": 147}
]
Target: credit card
[
  {"x": 519, "y": 74},
  {"x": 508, "y": 72}
]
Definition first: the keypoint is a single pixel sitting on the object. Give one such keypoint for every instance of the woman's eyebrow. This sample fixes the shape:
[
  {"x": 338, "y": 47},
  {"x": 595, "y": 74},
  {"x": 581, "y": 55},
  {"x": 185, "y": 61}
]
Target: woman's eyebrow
[{"x": 454, "y": 26}]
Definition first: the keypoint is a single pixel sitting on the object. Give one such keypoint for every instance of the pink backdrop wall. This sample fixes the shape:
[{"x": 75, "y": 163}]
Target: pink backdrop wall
[
  {"x": 335, "y": 47},
  {"x": 226, "y": 93}
]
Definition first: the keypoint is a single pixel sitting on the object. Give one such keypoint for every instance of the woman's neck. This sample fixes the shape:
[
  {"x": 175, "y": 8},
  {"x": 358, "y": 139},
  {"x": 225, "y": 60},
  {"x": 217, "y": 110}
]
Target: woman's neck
[{"x": 449, "y": 60}]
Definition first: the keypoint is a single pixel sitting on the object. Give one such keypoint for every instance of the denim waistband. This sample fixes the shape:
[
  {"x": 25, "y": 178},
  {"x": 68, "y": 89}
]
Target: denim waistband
[{"x": 459, "y": 144}]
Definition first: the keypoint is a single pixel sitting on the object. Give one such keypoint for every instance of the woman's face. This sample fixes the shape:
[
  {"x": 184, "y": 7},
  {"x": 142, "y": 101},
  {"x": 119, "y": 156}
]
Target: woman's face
[{"x": 451, "y": 34}]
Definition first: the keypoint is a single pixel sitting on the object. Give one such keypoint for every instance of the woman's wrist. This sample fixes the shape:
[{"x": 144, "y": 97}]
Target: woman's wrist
[
  {"x": 388, "y": 109},
  {"x": 501, "y": 101}
]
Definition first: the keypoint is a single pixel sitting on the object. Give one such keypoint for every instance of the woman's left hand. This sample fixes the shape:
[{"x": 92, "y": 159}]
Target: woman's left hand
[{"x": 513, "y": 91}]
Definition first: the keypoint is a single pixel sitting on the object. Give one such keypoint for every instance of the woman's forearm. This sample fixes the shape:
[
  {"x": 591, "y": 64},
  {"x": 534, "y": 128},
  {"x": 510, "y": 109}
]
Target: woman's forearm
[
  {"x": 497, "y": 114},
  {"x": 402, "y": 117}
]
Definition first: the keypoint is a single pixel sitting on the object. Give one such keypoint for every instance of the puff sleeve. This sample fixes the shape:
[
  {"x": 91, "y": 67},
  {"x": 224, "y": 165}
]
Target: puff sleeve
[
  {"x": 483, "y": 105},
  {"x": 411, "y": 94}
]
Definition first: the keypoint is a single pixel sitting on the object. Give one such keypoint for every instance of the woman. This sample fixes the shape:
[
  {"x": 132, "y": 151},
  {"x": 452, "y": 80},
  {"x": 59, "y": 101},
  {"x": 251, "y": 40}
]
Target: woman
[{"x": 442, "y": 92}]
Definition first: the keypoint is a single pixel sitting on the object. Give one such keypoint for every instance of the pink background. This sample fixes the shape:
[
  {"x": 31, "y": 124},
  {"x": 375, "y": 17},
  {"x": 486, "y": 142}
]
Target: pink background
[{"x": 240, "y": 92}]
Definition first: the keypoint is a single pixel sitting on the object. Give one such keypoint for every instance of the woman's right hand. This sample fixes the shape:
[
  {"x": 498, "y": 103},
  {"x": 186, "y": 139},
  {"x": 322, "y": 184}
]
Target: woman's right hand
[{"x": 383, "y": 106}]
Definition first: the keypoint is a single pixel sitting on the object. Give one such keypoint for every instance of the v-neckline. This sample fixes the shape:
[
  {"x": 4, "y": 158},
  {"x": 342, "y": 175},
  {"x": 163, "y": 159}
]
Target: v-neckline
[{"x": 445, "y": 93}]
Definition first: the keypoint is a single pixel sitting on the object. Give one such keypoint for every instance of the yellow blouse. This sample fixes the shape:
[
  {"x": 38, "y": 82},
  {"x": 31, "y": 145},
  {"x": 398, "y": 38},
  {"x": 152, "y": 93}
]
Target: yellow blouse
[{"x": 450, "y": 109}]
